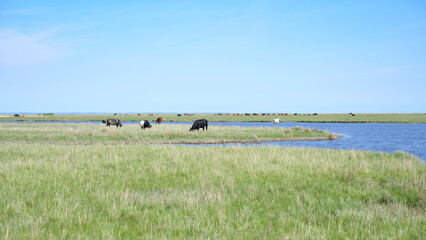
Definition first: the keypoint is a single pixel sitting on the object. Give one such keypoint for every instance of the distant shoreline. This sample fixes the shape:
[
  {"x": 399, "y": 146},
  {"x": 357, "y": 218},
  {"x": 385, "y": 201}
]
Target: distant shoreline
[{"x": 230, "y": 117}]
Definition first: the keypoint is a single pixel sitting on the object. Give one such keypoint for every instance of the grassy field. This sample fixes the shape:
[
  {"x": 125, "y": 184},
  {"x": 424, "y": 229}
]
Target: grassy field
[
  {"x": 87, "y": 133},
  {"x": 67, "y": 181},
  {"x": 53, "y": 191},
  {"x": 358, "y": 118}
]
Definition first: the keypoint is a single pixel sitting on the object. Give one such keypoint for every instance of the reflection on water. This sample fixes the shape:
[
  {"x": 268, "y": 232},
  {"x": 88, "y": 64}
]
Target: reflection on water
[{"x": 385, "y": 137}]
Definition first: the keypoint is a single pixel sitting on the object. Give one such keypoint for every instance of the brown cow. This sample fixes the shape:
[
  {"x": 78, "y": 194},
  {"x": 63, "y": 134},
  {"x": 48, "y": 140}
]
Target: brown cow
[{"x": 159, "y": 120}]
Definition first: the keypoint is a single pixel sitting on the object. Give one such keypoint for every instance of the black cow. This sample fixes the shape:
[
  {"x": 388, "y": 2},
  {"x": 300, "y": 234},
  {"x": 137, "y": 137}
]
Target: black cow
[
  {"x": 112, "y": 121},
  {"x": 103, "y": 121},
  {"x": 200, "y": 123},
  {"x": 145, "y": 124}
]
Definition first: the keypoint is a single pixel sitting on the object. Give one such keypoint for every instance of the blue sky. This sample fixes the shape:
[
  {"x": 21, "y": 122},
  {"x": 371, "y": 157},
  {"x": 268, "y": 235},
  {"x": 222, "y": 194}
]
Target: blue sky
[{"x": 213, "y": 56}]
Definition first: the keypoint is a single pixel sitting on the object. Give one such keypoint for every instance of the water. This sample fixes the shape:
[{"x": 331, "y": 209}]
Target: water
[{"x": 384, "y": 137}]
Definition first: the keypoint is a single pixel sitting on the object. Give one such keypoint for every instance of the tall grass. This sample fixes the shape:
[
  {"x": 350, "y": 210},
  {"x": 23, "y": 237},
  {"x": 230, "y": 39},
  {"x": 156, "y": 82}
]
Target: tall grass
[{"x": 58, "y": 191}]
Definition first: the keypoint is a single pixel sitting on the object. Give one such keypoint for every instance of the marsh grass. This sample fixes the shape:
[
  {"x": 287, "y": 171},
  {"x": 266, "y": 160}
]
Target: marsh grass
[
  {"x": 88, "y": 181},
  {"x": 57, "y": 191},
  {"x": 69, "y": 133}
]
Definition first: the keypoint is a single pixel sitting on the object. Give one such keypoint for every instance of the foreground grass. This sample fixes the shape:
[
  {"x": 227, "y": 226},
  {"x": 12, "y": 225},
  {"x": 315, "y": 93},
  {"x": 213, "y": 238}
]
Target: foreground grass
[
  {"x": 68, "y": 133},
  {"x": 358, "y": 118},
  {"x": 57, "y": 191}
]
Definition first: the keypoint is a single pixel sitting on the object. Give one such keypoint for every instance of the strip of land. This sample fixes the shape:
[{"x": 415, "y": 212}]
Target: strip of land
[
  {"x": 233, "y": 117},
  {"x": 86, "y": 133}
]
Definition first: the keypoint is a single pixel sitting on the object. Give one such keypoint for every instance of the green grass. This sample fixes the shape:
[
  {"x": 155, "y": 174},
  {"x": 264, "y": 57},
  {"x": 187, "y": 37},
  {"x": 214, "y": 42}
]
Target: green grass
[
  {"x": 73, "y": 133},
  {"x": 139, "y": 191},
  {"x": 67, "y": 181},
  {"x": 358, "y": 118}
]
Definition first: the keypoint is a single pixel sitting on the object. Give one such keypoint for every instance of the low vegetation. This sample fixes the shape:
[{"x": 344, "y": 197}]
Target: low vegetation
[
  {"x": 350, "y": 118},
  {"x": 88, "y": 181},
  {"x": 86, "y": 133}
]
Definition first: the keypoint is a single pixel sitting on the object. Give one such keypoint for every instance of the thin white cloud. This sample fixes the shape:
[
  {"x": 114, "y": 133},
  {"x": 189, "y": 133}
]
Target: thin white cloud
[{"x": 18, "y": 48}]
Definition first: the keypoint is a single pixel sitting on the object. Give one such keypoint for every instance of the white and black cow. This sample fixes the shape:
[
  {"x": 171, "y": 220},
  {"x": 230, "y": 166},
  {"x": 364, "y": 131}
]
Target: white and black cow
[
  {"x": 145, "y": 124},
  {"x": 200, "y": 123},
  {"x": 112, "y": 121}
]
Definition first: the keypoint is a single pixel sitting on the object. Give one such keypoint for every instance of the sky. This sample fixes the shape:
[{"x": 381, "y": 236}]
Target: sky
[{"x": 213, "y": 56}]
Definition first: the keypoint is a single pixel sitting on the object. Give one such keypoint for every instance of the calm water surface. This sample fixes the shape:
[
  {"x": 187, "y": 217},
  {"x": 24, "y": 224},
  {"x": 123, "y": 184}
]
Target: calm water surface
[{"x": 384, "y": 137}]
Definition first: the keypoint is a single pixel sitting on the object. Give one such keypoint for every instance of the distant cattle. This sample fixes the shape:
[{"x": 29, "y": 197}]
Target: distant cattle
[
  {"x": 112, "y": 121},
  {"x": 145, "y": 124},
  {"x": 276, "y": 120},
  {"x": 159, "y": 120},
  {"x": 151, "y": 115},
  {"x": 200, "y": 123},
  {"x": 179, "y": 115}
]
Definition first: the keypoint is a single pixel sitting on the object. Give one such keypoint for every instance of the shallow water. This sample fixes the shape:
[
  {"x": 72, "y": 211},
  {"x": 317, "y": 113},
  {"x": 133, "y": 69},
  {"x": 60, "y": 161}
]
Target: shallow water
[{"x": 384, "y": 137}]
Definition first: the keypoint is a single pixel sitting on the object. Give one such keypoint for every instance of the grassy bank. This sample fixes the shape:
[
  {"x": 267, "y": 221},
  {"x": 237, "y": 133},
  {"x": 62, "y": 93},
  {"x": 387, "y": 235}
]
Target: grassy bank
[
  {"x": 357, "y": 118},
  {"x": 57, "y": 191},
  {"x": 72, "y": 133}
]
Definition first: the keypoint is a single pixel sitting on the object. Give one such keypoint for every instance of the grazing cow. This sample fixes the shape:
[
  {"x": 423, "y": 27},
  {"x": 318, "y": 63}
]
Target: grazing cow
[
  {"x": 200, "y": 123},
  {"x": 145, "y": 124},
  {"x": 179, "y": 115},
  {"x": 276, "y": 120},
  {"x": 112, "y": 121},
  {"x": 159, "y": 120}
]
